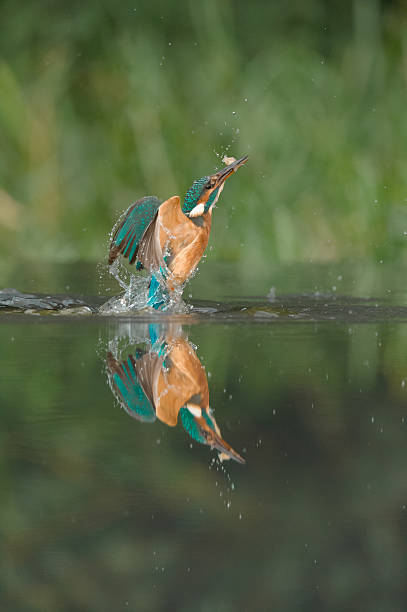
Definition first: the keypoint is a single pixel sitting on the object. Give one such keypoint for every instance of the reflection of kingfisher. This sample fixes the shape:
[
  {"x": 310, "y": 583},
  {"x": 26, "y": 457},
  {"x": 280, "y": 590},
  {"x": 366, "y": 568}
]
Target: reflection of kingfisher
[
  {"x": 168, "y": 239},
  {"x": 165, "y": 382}
]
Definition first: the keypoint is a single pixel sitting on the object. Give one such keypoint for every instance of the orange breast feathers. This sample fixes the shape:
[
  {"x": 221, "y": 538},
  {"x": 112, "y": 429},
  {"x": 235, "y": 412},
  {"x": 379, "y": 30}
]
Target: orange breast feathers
[
  {"x": 181, "y": 239},
  {"x": 184, "y": 378}
]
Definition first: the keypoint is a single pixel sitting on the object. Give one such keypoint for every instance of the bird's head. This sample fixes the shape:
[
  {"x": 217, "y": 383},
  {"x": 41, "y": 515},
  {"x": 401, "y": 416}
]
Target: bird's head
[
  {"x": 205, "y": 191},
  {"x": 200, "y": 424}
]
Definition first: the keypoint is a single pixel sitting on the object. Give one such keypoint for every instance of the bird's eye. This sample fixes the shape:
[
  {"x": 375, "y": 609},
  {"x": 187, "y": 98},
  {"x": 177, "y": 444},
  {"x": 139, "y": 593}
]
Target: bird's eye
[{"x": 211, "y": 183}]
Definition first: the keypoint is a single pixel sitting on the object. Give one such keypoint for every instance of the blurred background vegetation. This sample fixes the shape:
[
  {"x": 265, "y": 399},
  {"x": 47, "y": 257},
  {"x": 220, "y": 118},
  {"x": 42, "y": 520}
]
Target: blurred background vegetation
[{"x": 102, "y": 103}]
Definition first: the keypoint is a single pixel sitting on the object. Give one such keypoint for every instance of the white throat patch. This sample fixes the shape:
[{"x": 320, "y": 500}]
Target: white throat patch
[
  {"x": 198, "y": 210},
  {"x": 217, "y": 197}
]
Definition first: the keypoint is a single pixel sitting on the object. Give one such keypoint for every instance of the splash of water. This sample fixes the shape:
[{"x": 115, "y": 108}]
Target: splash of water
[{"x": 135, "y": 296}]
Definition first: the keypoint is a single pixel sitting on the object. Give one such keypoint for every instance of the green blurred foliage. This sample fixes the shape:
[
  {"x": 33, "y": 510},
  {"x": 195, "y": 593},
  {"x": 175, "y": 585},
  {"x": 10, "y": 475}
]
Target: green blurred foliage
[{"x": 102, "y": 103}]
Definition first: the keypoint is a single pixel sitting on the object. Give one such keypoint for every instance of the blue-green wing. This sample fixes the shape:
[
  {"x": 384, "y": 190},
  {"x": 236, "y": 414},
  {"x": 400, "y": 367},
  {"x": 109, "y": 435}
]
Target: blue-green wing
[
  {"x": 130, "y": 228},
  {"x": 125, "y": 385}
]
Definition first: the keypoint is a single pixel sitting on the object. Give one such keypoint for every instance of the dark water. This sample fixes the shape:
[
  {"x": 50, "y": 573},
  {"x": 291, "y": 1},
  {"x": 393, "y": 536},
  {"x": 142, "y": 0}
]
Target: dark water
[{"x": 102, "y": 511}]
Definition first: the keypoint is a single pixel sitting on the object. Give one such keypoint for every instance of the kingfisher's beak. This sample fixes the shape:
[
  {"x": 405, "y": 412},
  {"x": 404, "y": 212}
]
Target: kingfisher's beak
[{"x": 227, "y": 171}]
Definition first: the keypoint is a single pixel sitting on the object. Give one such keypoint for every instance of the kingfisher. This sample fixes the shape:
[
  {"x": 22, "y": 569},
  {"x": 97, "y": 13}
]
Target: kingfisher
[
  {"x": 168, "y": 382},
  {"x": 168, "y": 238}
]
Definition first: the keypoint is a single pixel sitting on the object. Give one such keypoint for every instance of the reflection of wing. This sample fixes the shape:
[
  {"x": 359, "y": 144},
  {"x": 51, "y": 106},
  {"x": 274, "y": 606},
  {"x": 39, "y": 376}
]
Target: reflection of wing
[
  {"x": 148, "y": 368},
  {"x": 131, "y": 226},
  {"x": 128, "y": 391}
]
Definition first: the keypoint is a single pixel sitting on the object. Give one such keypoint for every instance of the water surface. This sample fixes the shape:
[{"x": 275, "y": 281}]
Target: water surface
[{"x": 102, "y": 511}]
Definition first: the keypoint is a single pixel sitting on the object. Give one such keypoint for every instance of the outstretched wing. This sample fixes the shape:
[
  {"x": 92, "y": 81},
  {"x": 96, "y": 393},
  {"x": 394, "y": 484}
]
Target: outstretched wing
[
  {"x": 129, "y": 392},
  {"x": 152, "y": 252},
  {"x": 131, "y": 227}
]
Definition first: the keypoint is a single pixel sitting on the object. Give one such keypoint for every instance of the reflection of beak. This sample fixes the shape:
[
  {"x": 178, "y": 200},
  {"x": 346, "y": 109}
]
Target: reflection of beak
[
  {"x": 225, "y": 450},
  {"x": 212, "y": 435},
  {"x": 227, "y": 171}
]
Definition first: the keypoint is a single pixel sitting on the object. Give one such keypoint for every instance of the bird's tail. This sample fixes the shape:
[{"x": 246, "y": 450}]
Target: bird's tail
[{"x": 157, "y": 295}]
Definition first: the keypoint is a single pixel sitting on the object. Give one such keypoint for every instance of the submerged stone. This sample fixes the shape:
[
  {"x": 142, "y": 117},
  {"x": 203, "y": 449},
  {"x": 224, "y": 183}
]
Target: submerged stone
[{"x": 31, "y": 303}]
